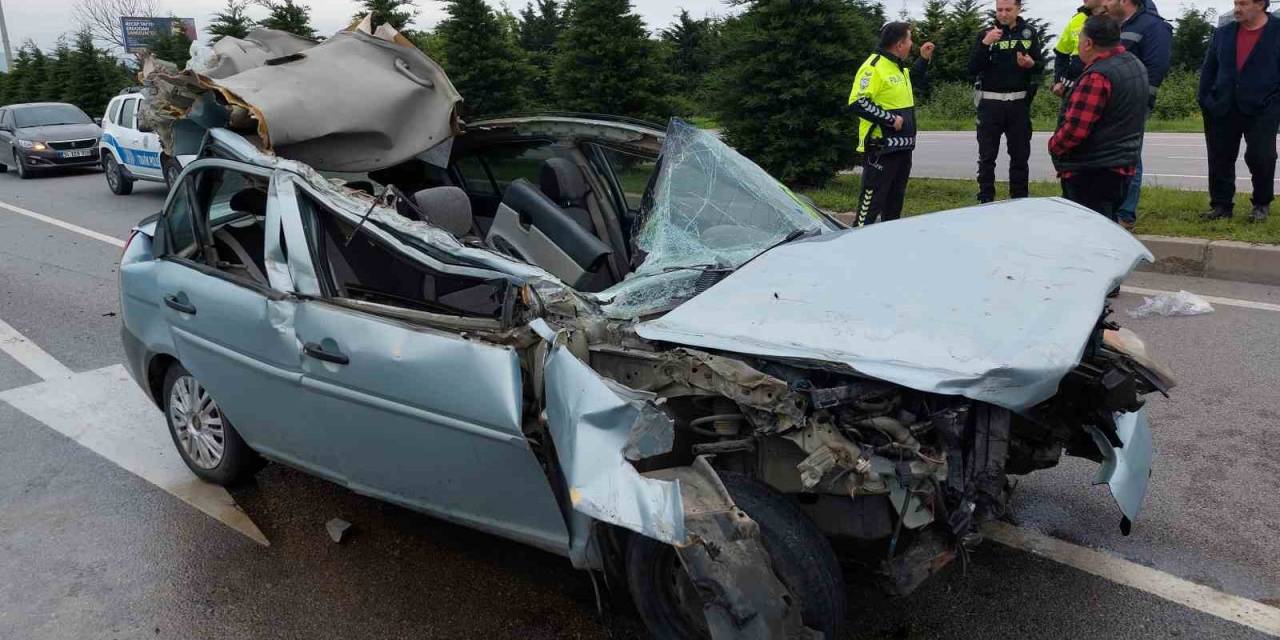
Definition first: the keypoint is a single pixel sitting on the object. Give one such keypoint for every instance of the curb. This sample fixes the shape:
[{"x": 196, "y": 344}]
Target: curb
[{"x": 1221, "y": 259}]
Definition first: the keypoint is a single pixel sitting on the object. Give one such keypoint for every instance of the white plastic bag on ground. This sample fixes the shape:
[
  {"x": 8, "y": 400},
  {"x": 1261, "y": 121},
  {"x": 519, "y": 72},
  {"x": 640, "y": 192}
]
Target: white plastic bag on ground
[{"x": 1182, "y": 303}]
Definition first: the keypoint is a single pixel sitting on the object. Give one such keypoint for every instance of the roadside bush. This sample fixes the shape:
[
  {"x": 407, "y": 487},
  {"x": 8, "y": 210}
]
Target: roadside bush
[
  {"x": 950, "y": 102},
  {"x": 1177, "y": 97}
]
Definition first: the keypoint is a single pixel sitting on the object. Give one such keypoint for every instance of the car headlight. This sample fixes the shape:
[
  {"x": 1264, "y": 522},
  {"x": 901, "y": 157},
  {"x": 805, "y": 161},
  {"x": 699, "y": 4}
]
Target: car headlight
[{"x": 34, "y": 146}]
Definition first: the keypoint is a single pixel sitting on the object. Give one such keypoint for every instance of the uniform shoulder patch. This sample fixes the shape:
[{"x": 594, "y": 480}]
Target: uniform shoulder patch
[
  {"x": 866, "y": 81},
  {"x": 1026, "y": 33}
]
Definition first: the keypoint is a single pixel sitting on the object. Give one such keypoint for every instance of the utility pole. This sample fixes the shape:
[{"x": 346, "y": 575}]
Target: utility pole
[{"x": 4, "y": 40}]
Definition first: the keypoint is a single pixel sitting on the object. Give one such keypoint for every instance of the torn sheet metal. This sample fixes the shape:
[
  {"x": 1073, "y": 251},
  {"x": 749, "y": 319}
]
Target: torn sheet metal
[
  {"x": 592, "y": 422},
  {"x": 728, "y": 564},
  {"x": 231, "y": 55},
  {"x": 358, "y": 101},
  {"x": 1126, "y": 470},
  {"x": 994, "y": 303}
]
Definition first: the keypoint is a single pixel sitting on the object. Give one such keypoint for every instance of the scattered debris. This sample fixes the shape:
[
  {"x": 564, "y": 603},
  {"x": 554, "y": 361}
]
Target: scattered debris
[
  {"x": 337, "y": 529},
  {"x": 1182, "y": 303}
]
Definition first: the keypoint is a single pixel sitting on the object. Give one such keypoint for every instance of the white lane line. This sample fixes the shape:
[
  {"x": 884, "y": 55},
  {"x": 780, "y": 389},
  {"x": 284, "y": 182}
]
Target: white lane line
[
  {"x": 88, "y": 233},
  {"x": 1229, "y": 607},
  {"x": 105, "y": 412},
  {"x": 30, "y": 355},
  {"x": 1229, "y": 302},
  {"x": 1179, "y": 175}
]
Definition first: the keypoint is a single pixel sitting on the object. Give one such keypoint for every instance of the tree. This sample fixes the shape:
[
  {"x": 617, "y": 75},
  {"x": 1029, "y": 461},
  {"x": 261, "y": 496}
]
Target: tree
[
  {"x": 782, "y": 91},
  {"x": 102, "y": 17},
  {"x": 936, "y": 14},
  {"x": 540, "y": 26},
  {"x": 173, "y": 47},
  {"x": 16, "y": 79},
  {"x": 482, "y": 59},
  {"x": 284, "y": 15},
  {"x": 397, "y": 13},
  {"x": 32, "y": 84},
  {"x": 692, "y": 48},
  {"x": 955, "y": 42},
  {"x": 606, "y": 63},
  {"x": 1191, "y": 38},
  {"x": 60, "y": 67},
  {"x": 231, "y": 21},
  {"x": 91, "y": 83}
]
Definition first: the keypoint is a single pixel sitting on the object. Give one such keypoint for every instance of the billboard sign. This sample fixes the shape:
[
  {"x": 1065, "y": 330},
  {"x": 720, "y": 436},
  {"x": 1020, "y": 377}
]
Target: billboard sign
[{"x": 138, "y": 32}]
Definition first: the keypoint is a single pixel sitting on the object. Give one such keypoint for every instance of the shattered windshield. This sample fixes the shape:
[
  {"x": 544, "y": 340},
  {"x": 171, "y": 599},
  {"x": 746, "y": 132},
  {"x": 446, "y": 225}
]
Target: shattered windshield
[{"x": 710, "y": 209}]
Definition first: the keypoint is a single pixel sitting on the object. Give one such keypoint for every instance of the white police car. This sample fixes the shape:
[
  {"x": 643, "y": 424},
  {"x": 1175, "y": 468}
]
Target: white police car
[{"x": 129, "y": 154}]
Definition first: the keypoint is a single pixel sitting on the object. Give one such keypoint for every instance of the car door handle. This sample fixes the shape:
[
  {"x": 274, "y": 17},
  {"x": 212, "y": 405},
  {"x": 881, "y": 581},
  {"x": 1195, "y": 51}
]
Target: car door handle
[
  {"x": 179, "y": 305},
  {"x": 320, "y": 353}
]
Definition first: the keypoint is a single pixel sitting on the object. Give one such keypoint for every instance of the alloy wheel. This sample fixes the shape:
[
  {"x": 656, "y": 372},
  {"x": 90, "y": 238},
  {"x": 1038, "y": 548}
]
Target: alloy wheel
[{"x": 198, "y": 423}]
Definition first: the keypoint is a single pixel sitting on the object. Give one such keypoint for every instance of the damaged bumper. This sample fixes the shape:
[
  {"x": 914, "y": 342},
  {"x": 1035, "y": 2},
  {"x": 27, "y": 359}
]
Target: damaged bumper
[{"x": 1126, "y": 469}]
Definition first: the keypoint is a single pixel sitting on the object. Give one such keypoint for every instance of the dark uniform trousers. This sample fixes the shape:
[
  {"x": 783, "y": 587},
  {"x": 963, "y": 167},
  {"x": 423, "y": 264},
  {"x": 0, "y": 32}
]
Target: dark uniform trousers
[
  {"x": 884, "y": 186},
  {"x": 1013, "y": 120},
  {"x": 1222, "y": 137}
]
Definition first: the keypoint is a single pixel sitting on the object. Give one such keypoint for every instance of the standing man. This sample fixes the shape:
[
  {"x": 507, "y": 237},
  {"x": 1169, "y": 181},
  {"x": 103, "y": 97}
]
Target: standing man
[
  {"x": 1099, "y": 142},
  {"x": 1007, "y": 61},
  {"x": 883, "y": 98},
  {"x": 1240, "y": 97},
  {"x": 1066, "y": 60},
  {"x": 1149, "y": 37}
]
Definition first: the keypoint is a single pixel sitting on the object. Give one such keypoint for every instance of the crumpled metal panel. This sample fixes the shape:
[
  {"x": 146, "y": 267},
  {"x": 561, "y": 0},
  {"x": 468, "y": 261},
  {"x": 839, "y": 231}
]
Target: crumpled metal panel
[
  {"x": 231, "y": 55},
  {"x": 1126, "y": 470},
  {"x": 994, "y": 303},
  {"x": 592, "y": 421},
  {"x": 358, "y": 101}
]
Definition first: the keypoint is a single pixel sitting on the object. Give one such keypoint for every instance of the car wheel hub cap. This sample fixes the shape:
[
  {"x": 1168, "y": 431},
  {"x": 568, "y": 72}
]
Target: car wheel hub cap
[{"x": 197, "y": 422}]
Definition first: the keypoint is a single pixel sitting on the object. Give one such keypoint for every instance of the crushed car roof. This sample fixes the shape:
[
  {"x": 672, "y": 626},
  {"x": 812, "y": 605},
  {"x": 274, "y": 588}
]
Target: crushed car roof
[{"x": 359, "y": 101}]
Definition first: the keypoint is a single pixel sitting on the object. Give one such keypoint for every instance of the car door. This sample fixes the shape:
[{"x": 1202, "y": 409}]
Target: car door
[
  {"x": 133, "y": 148},
  {"x": 230, "y": 324},
  {"x": 421, "y": 414}
]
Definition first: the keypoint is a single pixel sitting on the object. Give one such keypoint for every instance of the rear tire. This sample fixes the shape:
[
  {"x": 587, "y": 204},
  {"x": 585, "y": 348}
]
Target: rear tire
[
  {"x": 116, "y": 180},
  {"x": 802, "y": 558},
  {"x": 205, "y": 439}
]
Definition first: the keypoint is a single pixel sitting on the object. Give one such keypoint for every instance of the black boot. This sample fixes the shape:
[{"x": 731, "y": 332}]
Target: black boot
[
  {"x": 1259, "y": 213},
  {"x": 1218, "y": 213}
]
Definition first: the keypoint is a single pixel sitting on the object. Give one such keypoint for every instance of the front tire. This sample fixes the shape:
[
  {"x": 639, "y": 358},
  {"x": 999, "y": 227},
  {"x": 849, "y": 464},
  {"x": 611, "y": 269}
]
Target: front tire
[
  {"x": 205, "y": 439},
  {"x": 20, "y": 165},
  {"x": 171, "y": 169},
  {"x": 802, "y": 558},
  {"x": 116, "y": 180}
]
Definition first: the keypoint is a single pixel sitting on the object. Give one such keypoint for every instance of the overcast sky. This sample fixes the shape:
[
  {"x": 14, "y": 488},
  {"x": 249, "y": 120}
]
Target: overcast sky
[{"x": 44, "y": 20}]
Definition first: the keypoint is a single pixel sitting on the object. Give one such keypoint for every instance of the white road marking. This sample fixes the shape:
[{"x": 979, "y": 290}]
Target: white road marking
[
  {"x": 1229, "y": 302},
  {"x": 30, "y": 355},
  {"x": 1229, "y": 607},
  {"x": 1187, "y": 158},
  {"x": 88, "y": 233},
  {"x": 105, "y": 412},
  {"x": 1179, "y": 175}
]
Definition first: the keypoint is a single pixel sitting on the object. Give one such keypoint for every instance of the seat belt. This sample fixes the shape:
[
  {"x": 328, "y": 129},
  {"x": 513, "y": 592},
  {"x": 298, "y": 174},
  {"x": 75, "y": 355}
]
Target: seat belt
[{"x": 241, "y": 255}]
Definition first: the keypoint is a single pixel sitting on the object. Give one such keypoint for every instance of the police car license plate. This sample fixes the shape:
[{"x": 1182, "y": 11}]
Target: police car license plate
[{"x": 77, "y": 153}]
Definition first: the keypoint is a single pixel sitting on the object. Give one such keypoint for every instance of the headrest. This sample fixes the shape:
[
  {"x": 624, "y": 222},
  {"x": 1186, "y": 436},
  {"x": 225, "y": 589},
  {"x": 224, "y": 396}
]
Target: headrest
[
  {"x": 447, "y": 208},
  {"x": 251, "y": 200},
  {"x": 562, "y": 181}
]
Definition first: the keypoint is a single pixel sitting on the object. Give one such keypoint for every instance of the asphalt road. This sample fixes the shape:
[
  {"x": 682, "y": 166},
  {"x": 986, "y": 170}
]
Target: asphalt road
[
  {"x": 89, "y": 550},
  {"x": 1169, "y": 159}
]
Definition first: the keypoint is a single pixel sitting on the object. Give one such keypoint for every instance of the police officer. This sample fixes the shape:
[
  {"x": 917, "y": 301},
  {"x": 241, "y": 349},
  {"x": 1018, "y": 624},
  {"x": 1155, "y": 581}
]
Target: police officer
[
  {"x": 883, "y": 98},
  {"x": 1066, "y": 60},
  {"x": 1007, "y": 61}
]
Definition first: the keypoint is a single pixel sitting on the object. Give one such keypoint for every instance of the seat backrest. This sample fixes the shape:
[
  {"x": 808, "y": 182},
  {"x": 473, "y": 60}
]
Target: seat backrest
[
  {"x": 563, "y": 182},
  {"x": 447, "y": 208},
  {"x": 536, "y": 209}
]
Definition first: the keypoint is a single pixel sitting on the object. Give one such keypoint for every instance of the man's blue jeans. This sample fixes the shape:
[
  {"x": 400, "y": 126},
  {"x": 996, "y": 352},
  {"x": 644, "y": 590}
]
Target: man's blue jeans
[{"x": 1128, "y": 212}]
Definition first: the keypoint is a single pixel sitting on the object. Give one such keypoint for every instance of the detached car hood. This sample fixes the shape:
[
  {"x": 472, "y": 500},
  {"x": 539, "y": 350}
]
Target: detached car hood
[
  {"x": 56, "y": 132},
  {"x": 994, "y": 303}
]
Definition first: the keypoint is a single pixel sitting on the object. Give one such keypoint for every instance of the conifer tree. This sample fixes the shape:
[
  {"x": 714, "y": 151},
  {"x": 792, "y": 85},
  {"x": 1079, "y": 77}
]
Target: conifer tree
[
  {"x": 397, "y": 13},
  {"x": 605, "y": 63},
  {"x": 231, "y": 21},
  {"x": 285, "y": 15},
  {"x": 482, "y": 59}
]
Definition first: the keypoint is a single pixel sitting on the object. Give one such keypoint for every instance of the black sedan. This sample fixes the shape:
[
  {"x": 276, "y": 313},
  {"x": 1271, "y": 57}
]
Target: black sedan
[{"x": 46, "y": 135}]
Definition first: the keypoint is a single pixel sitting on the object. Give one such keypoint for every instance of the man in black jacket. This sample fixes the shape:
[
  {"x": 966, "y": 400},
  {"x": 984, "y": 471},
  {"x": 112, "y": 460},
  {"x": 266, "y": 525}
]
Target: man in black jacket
[
  {"x": 1007, "y": 61},
  {"x": 1240, "y": 97}
]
